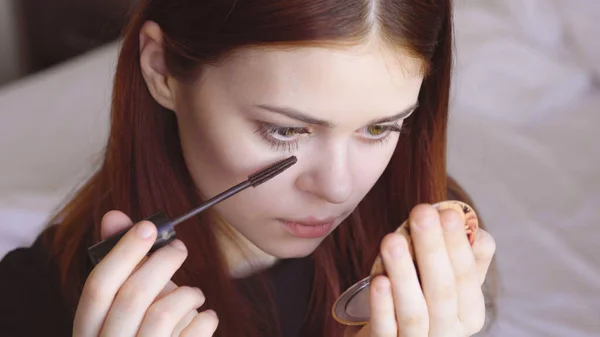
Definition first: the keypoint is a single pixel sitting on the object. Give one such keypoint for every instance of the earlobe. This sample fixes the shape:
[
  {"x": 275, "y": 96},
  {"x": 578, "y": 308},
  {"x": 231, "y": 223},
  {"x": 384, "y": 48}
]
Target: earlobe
[{"x": 153, "y": 65}]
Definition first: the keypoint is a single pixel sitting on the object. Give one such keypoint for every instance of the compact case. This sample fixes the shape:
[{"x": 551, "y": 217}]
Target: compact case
[{"x": 352, "y": 307}]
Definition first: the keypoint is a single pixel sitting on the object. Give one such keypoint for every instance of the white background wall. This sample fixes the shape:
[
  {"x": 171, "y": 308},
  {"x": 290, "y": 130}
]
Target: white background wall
[{"x": 10, "y": 63}]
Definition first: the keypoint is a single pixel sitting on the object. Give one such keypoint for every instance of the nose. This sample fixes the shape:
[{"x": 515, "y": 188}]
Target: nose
[{"x": 328, "y": 178}]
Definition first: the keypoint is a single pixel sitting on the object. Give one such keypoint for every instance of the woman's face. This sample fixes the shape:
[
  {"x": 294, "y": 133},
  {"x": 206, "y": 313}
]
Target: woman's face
[{"x": 338, "y": 110}]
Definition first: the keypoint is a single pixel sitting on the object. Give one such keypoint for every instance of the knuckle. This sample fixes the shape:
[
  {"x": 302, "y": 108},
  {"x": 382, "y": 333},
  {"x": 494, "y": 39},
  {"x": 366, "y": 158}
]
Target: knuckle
[
  {"x": 130, "y": 296},
  {"x": 158, "y": 315},
  {"x": 96, "y": 290}
]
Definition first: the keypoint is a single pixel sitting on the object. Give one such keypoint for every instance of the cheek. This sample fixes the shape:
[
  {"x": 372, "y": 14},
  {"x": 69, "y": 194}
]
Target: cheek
[
  {"x": 371, "y": 161},
  {"x": 220, "y": 157},
  {"x": 215, "y": 160}
]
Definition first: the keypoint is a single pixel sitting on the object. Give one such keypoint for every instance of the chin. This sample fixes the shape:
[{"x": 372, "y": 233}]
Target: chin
[{"x": 293, "y": 250}]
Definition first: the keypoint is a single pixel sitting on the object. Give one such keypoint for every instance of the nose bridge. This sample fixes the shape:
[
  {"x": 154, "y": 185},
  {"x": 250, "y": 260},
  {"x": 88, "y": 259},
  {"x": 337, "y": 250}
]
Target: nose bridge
[{"x": 330, "y": 177}]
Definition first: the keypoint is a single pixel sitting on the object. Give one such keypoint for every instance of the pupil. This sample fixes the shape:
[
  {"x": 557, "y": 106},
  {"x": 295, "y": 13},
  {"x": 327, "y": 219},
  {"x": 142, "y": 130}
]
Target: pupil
[
  {"x": 376, "y": 130},
  {"x": 287, "y": 132}
]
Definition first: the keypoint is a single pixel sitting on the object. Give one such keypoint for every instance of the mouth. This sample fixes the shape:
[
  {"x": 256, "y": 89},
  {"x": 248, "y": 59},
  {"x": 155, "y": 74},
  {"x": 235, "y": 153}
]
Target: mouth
[{"x": 309, "y": 228}]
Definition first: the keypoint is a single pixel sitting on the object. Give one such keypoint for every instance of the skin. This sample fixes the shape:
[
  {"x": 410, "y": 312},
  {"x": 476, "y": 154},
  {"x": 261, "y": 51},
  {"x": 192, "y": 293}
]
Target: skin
[{"x": 338, "y": 163}]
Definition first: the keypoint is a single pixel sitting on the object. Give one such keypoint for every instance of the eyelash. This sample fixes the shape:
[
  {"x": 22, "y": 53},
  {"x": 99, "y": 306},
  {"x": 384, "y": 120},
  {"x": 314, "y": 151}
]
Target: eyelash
[{"x": 267, "y": 132}]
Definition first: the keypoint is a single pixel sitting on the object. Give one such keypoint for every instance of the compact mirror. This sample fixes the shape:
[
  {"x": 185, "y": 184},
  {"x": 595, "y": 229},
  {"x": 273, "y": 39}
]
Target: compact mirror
[{"x": 353, "y": 308}]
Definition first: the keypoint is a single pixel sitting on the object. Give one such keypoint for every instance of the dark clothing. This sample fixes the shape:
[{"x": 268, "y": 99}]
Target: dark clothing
[{"x": 31, "y": 304}]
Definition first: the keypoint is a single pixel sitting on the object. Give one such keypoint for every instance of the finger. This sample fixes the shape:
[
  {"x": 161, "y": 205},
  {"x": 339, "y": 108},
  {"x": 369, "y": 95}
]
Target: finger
[
  {"x": 184, "y": 322},
  {"x": 187, "y": 319},
  {"x": 435, "y": 268},
  {"x": 471, "y": 304},
  {"x": 383, "y": 316},
  {"x": 164, "y": 315},
  {"x": 141, "y": 289},
  {"x": 203, "y": 325},
  {"x": 484, "y": 249},
  {"x": 107, "y": 277},
  {"x": 411, "y": 308},
  {"x": 166, "y": 290},
  {"x": 113, "y": 222}
]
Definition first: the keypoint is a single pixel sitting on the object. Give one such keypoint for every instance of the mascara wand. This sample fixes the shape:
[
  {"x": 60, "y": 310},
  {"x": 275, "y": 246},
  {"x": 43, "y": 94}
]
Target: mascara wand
[{"x": 166, "y": 227}]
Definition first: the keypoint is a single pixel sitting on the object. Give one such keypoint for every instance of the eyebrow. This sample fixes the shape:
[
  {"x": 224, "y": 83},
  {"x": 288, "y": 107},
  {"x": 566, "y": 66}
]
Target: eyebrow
[{"x": 306, "y": 118}]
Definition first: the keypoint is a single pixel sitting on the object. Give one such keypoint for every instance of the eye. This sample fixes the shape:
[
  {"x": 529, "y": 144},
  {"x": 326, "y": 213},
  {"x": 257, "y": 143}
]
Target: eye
[
  {"x": 286, "y": 133},
  {"x": 376, "y": 130},
  {"x": 282, "y": 137},
  {"x": 380, "y": 131},
  {"x": 287, "y": 138}
]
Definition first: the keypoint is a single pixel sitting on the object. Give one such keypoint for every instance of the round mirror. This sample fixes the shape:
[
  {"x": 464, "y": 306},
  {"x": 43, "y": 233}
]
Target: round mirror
[{"x": 353, "y": 306}]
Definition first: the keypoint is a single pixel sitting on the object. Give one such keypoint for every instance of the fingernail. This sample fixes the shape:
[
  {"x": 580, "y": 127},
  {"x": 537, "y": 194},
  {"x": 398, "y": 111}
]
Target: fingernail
[
  {"x": 211, "y": 312},
  {"x": 177, "y": 244},
  {"x": 145, "y": 230}
]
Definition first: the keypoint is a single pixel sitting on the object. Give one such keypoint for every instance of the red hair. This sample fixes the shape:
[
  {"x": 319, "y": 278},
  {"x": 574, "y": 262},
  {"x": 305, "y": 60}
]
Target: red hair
[{"x": 144, "y": 171}]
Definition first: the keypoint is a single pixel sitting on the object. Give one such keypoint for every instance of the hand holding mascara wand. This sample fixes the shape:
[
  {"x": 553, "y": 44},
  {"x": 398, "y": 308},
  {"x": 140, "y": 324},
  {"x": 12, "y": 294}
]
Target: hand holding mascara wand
[{"x": 166, "y": 227}]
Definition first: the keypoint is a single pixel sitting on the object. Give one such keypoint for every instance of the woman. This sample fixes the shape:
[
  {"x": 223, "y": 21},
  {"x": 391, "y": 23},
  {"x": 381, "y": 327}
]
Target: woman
[{"x": 207, "y": 92}]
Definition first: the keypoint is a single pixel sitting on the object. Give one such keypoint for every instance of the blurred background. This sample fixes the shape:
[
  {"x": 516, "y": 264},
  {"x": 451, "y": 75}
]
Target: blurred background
[
  {"x": 36, "y": 34},
  {"x": 523, "y": 138}
]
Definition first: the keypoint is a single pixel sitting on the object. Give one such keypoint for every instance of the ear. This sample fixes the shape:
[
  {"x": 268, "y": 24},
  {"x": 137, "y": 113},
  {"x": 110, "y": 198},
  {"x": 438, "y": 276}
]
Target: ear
[{"x": 154, "y": 70}]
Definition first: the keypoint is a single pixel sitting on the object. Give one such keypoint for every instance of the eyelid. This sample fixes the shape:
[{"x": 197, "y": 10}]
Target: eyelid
[
  {"x": 283, "y": 126},
  {"x": 396, "y": 121}
]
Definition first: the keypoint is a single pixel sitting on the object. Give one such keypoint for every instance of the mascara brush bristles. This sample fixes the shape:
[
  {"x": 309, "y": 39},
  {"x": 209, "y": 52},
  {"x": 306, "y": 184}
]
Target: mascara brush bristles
[{"x": 270, "y": 172}]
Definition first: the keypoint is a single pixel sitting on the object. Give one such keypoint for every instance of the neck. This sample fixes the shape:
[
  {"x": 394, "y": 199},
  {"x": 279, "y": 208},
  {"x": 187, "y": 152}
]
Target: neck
[{"x": 243, "y": 258}]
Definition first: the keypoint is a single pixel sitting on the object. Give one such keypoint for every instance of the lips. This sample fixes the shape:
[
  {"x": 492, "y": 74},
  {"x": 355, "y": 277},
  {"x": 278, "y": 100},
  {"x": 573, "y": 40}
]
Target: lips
[
  {"x": 309, "y": 228},
  {"x": 312, "y": 221}
]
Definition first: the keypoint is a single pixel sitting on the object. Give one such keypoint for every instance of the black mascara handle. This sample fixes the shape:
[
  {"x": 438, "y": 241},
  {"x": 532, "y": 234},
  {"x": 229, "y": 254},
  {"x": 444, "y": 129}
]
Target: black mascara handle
[{"x": 164, "y": 227}]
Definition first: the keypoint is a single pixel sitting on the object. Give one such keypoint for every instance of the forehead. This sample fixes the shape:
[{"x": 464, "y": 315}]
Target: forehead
[{"x": 333, "y": 82}]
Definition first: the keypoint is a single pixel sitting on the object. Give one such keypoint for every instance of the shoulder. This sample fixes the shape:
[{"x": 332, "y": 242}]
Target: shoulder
[{"x": 29, "y": 287}]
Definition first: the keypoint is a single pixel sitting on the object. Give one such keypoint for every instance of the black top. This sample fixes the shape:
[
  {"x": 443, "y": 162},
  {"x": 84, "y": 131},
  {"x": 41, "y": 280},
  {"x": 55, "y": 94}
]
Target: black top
[{"x": 31, "y": 303}]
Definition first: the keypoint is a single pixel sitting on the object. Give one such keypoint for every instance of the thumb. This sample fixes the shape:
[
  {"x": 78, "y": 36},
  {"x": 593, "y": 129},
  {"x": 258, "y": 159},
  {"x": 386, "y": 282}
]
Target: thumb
[{"x": 113, "y": 222}]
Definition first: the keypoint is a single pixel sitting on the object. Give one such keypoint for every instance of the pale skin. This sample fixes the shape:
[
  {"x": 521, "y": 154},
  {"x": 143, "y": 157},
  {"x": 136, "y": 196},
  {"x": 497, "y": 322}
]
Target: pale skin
[{"x": 357, "y": 98}]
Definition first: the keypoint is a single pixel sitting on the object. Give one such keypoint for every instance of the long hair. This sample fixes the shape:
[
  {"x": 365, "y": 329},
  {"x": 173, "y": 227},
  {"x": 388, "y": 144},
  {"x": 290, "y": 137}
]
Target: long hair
[{"x": 144, "y": 171}]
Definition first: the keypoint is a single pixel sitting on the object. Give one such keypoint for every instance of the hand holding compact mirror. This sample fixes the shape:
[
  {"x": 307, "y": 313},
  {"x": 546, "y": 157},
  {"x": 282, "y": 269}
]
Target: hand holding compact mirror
[{"x": 353, "y": 306}]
